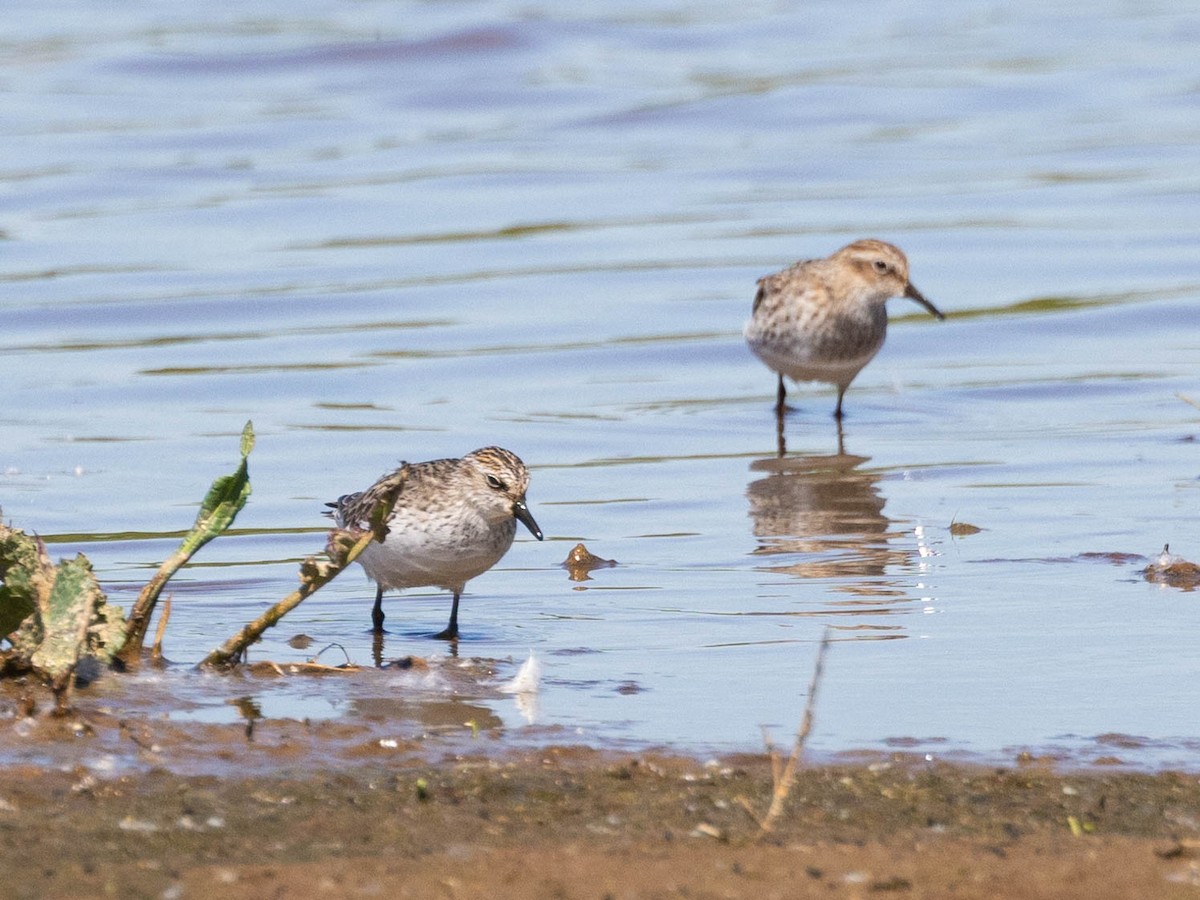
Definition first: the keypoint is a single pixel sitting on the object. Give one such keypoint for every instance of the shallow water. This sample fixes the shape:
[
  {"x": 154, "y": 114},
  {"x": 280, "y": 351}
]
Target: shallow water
[{"x": 402, "y": 231}]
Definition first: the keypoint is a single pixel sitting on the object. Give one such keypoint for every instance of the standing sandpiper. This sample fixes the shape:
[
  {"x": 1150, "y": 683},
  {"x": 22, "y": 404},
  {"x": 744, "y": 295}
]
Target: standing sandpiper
[
  {"x": 453, "y": 520},
  {"x": 824, "y": 319}
]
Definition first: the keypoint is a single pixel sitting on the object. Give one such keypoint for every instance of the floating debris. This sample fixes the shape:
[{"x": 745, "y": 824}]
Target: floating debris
[
  {"x": 525, "y": 686},
  {"x": 962, "y": 529},
  {"x": 268, "y": 668},
  {"x": 1172, "y": 570},
  {"x": 405, "y": 663},
  {"x": 527, "y": 679},
  {"x": 1115, "y": 557},
  {"x": 580, "y": 561}
]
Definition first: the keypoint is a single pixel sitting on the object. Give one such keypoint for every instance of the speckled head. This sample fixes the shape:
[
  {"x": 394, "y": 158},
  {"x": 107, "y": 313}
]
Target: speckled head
[
  {"x": 505, "y": 476},
  {"x": 881, "y": 270}
]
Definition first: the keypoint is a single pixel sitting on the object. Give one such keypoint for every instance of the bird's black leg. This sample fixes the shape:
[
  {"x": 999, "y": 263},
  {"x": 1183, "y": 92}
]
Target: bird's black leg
[
  {"x": 451, "y": 631},
  {"x": 781, "y": 397},
  {"x": 837, "y": 412},
  {"x": 377, "y": 610}
]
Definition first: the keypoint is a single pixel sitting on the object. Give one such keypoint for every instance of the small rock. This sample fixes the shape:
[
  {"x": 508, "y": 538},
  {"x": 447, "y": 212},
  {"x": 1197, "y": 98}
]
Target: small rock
[
  {"x": 129, "y": 823},
  {"x": 1173, "y": 571},
  {"x": 580, "y": 561}
]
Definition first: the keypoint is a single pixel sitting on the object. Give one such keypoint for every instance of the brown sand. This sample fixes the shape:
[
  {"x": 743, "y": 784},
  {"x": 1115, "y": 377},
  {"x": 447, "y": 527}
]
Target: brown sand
[{"x": 577, "y": 823}]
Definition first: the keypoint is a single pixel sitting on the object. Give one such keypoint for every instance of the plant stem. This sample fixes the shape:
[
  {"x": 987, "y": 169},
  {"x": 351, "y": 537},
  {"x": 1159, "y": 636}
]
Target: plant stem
[
  {"x": 343, "y": 547},
  {"x": 787, "y": 776}
]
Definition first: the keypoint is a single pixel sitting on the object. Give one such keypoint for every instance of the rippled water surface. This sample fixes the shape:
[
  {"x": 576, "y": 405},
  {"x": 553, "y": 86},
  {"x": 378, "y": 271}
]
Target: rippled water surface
[{"x": 389, "y": 231}]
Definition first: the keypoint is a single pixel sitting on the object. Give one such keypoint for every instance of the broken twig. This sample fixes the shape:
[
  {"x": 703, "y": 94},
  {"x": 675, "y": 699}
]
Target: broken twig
[
  {"x": 344, "y": 546},
  {"x": 164, "y": 617},
  {"x": 784, "y": 775}
]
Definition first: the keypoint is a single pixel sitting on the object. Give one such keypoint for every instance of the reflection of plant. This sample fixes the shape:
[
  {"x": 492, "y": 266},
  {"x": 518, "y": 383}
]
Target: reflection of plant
[{"x": 55, "y": 617}]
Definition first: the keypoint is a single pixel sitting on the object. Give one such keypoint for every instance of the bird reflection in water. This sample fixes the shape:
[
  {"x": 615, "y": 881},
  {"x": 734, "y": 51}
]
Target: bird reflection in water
[{"x": 825, "y": 512}]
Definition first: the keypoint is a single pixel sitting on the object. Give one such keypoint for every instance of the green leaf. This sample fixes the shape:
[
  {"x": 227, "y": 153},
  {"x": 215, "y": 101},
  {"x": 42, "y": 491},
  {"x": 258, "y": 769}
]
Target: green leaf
[
  {"x": 19, "y": 565},
  {"x": 247, "y": 439},
  {"x": 106, "y": 633},
  {"x": 224, "y": 500},
  {"x": 66, "y": 615},
  {"x": 60, "y": 613}
]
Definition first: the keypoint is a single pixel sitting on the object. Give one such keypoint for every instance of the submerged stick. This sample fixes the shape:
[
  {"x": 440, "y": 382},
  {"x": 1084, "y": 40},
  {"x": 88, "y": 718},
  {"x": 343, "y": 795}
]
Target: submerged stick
[
  {"x": 343, "y": 547},
  {"x": 785, "y": 776},
  {"x": 156, "y": 650}
]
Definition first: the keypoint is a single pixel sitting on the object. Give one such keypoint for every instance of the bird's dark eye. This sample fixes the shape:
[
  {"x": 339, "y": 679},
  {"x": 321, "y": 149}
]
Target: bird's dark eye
[
  {"x": 881, "y": 266},
  {"x": 495, "y": 482}
]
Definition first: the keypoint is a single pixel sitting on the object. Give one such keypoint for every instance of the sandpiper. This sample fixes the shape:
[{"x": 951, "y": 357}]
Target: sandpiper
[
  {"x": 824, "y": 319},
  {"x": 453, "y": 519}
]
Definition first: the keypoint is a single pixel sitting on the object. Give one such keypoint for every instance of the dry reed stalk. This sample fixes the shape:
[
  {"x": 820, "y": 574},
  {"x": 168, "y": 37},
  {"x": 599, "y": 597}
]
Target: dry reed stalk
[
  {"x": 164, "y": 617},
  {"x": 784, "y": 774}
]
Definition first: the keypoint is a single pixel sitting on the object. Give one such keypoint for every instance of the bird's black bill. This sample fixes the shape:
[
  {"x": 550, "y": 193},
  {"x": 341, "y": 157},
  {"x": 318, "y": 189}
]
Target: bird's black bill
[
  {"x": 521, "y": 511},
  {"x": 913, "y": 294}
]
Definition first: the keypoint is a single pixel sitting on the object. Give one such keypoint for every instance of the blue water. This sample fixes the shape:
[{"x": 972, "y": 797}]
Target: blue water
[{"x": 388, "y": 231}]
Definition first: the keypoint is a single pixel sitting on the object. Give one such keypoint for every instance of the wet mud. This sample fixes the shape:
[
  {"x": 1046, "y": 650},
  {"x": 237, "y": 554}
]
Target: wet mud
[{"x": 331, "y": 809}]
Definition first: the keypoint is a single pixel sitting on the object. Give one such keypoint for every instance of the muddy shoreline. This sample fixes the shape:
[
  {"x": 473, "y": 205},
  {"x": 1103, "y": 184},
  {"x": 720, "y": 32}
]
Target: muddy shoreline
[{"x": 333, "y": 811}]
